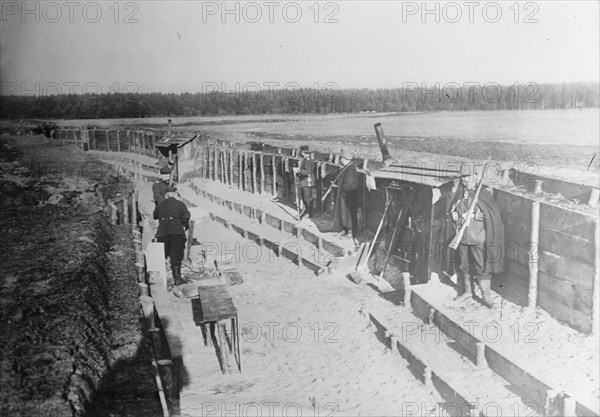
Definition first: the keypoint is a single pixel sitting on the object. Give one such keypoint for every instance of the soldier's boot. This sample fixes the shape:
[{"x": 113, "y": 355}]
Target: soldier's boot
[
  {"x": 463, "y": 283},
  {"x": 170, "y": 284},
  {"x": 309, "y": 209},
  {"x": 177, "y": 274},
  {"x": 486, "y": 295}
]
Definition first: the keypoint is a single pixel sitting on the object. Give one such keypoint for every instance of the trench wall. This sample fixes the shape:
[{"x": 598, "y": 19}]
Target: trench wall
[{"x": 551, "y": 253}]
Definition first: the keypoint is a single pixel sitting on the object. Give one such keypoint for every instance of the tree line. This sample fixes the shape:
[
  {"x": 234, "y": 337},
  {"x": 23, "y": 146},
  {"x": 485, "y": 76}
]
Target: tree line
[{"x": 410, "y": 98}]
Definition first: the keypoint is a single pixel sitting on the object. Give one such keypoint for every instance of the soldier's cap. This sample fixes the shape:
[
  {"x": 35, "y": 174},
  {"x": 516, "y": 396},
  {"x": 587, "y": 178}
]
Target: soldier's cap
[
  {"x": 304, "y": 148},
  {"x": 171, "y": 190},
  {"x": 165, "y": 170}
]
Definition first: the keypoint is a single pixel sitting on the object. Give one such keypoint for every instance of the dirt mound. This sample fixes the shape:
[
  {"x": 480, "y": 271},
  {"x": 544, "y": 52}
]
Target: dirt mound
[{"x": 69, "y": 313}]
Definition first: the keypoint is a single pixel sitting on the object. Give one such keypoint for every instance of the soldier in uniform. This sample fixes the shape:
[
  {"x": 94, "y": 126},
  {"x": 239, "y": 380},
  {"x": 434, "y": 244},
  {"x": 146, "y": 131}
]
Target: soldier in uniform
[
  {"x": 346, "y": 202},
  {"x": 159, "y": 188},
  {"x": 481, "y": 249},
  {"x": 173, "y": 217},
  {"x": 306, "y": 181}
]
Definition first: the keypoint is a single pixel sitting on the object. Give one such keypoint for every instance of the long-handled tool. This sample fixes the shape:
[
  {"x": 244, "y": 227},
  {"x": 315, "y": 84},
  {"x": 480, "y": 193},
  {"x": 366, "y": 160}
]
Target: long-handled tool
[
  {"x": 391, "y": 243},
  {"x": 297, "y": 196},
  {"x": 339, "y": 174},
  {"x": 357, "y": 275}
]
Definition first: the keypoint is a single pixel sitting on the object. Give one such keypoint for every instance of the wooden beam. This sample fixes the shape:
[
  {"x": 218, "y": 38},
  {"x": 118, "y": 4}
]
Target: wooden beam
[
  {"x": 594, "y": 195},
  {"x": 274, "y": 169},
  {"x": 596, "y": 290},
  {"x": 253, "y": 172},
  {"x": 107, "y": 140},
  {"x": 222, "y": 162},
  {"x": 261, "y": 161},
  {"x": 239, "y": 164},
  {"x": 190, "y": 240},
  {"x": 230, "y": 163},
  {"x": 533, "y": 260},
  {"x": 125, "y": 205},
  {"x": 134, "y": 198},
  {"x": 215, "y": 163},
  {"x": 118, "y": 142},
  {"x": 246, "y": 169}
]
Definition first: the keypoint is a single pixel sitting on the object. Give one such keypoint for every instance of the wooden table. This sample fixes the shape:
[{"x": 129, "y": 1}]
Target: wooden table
[{"x": 215, "y": 307}]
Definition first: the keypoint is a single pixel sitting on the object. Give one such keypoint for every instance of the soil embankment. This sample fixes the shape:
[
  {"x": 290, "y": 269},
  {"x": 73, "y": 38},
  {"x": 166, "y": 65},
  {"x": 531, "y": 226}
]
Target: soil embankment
[{"x": 71, "y": 341}]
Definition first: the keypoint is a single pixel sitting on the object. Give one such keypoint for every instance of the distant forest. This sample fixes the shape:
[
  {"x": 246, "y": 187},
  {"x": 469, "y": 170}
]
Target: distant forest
[{"x": 411, "y": 98}]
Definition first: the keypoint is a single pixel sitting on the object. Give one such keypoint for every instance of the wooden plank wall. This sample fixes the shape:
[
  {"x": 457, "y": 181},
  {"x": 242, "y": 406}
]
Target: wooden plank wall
[
  {"x": 565, "y": 255},
  {"x": 566, "y": 265},
  {"x": 564, "y": 277},
  {"x": 515, "y": 210}
]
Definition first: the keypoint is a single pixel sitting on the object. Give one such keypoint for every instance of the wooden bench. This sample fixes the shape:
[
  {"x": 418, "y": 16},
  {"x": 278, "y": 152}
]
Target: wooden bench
[{"x": 215, "y": 307}]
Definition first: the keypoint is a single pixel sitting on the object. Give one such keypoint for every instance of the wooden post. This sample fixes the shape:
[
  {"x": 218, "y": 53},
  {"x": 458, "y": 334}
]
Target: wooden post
[
  {"x": 246, "y": 170},
  {"x": 125, "y": 211},
  {"x": 534, "y": 255},
  {"x": 568, "y": 405},
  {"x": 274, "y": 169},
  {"x": 427, "y": 377},
  {"x": 596, "y": 290},
  {"x": 253, "y": 172},
  {"x": 134, "y": 207},
  {"x": 118, "y": 141},
  {"x": 230, "y": 160},
  {"x": 285, "y": 162},
  {"x": 594, "y": 195},
  {"x": 208, "y": 162},
  {"x": 202, "y": 161},
  {"x": 188, "y": 246},
  {"x": 148, "y": 310},
  {"x": 215, "y": 163},
  {"x": 261, "y": 161},
  {"x": 93, "y": 141},
  {"x": 240, "y": 176},
  {"x": 107, "y": 141},
  {"x": 218, "y": 162},
  {"x": 538, "y": 187},
  {"x": 226, "y": 165},
  {"x": 165, "y": 367},
  {"x": 222, "y": 165},
  {"x": 319, "y": 184},
  {"x": 113, "y": 212}
]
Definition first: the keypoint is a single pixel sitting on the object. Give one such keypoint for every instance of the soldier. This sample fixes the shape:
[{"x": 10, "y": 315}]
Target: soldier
[
  {"x": 346, "y": 201},
  {"x": 306, "y": 181},
  {"x": 173, "y": 217},
  {"x": 481, "y": 249},
  {"x": 159, "y": 188}
]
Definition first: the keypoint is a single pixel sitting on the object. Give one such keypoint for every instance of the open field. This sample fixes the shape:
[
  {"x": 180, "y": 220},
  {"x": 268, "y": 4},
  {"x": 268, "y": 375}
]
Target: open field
[{"x": 563, "y": 144}]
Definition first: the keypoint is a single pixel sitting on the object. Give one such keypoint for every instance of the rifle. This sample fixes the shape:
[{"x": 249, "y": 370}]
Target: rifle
[
  {"x": 467, "y": 219},
  {"x": 333, "y": 184}
]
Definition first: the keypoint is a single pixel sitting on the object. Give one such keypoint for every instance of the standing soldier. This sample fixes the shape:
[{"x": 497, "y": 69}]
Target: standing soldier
[
  {"x": 346, "y": 201},
  {"x": 481, "y": 249},
  {"x": 306, "y": 172},
  {"x": 173, "y": 217},
  {"x": 159, "y": 188}
]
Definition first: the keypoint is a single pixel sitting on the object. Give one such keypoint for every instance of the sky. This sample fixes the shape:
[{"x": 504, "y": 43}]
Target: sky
[{"x": 193, "y": 46}]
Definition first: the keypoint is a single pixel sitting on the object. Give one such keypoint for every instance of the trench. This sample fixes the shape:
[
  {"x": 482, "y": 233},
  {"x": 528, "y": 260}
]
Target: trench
[{"x": 72, "y": 340}]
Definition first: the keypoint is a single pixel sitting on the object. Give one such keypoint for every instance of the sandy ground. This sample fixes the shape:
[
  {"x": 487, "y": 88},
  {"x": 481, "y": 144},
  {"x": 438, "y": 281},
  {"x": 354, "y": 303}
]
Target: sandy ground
[
  {"x": 305, "y": 344},
  {"x": 277, "y": 292},
  {"x": 569, "y": 360}
]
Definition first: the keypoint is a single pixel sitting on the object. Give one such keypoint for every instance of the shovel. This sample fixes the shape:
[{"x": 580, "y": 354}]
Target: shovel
[
  {"x": 389, "y": 250},
  {"x": 357, "y": 275}
]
